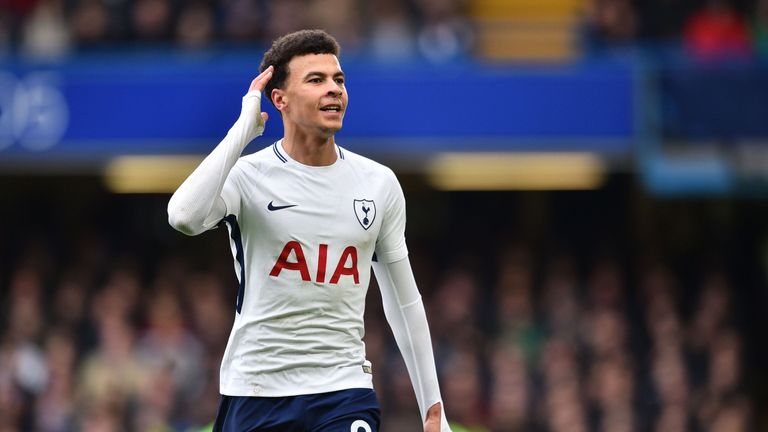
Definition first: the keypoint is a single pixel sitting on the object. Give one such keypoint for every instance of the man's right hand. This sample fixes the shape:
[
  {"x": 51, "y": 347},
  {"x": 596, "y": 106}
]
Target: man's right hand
[{"x": 252, "y": 118}]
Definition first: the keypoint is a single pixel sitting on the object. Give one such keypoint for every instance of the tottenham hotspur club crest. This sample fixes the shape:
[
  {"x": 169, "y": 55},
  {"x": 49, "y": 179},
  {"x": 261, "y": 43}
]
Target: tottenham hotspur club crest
[{"x": 365, "y": 210}]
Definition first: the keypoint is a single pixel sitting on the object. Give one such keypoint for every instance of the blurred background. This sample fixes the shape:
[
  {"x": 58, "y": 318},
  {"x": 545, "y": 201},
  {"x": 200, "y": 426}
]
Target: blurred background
[{"x": 586, "y": 184}]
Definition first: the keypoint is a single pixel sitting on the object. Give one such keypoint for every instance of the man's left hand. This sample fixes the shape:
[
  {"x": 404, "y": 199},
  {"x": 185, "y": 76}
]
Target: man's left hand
[{"x": 432, "y": 423}]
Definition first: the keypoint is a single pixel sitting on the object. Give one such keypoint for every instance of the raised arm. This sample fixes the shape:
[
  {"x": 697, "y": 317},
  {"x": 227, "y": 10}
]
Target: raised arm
[
  {"x": 405, "y": 314},
  {"x": 197, "y": 205}
]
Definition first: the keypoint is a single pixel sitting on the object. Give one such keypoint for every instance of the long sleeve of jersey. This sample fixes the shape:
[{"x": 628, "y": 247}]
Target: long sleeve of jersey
[
  {"x": 406, "y": 316},
  {"x": 197, "y": 205}
]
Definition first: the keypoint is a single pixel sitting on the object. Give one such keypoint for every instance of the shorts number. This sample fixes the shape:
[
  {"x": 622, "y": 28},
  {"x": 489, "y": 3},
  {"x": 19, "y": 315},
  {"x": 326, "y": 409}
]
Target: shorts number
[{"x": 357, "y": 424}]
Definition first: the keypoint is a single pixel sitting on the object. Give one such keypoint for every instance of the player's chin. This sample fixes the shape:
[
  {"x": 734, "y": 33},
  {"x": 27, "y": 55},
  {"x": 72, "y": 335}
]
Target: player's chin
[
  {"x": 332, "y": 126},
  {"x": 328, "y": 130}
]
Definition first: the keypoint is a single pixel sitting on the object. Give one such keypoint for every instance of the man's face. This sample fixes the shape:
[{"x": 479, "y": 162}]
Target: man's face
[{"x": 314, "y": 97}]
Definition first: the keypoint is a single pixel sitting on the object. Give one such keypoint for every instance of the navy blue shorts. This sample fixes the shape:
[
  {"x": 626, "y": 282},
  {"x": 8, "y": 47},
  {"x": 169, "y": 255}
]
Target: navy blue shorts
[{"x": 353, "y": 410}]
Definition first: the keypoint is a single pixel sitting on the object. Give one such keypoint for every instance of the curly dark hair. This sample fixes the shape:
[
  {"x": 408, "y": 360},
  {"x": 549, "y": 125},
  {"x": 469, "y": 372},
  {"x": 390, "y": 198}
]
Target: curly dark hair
[{"x": 292, "y": 45}]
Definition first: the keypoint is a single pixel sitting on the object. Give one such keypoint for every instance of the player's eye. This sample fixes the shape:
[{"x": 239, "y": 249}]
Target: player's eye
[{"x": 340, "y": 81}]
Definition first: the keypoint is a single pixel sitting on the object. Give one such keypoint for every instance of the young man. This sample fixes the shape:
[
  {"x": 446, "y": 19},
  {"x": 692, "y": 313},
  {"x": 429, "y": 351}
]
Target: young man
[{"x": 307, "y": 221}]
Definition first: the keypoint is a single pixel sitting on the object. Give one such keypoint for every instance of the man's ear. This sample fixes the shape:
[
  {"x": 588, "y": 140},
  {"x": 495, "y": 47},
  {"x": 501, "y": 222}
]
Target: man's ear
[{"x": 279, "y": 98}]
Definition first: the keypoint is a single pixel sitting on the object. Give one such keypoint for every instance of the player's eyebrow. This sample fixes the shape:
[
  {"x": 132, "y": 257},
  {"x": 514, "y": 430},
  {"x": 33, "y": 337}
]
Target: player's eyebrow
[{"x": 318, "y": 74}]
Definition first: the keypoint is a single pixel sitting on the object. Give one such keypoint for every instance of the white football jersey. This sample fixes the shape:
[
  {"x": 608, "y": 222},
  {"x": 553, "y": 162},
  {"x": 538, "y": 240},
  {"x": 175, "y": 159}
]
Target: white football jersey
[{"x": 303, "y": 238}]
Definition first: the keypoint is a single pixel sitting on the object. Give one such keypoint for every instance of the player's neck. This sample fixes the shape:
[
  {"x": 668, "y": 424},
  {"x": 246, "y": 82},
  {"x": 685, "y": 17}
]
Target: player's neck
[{"x": 312, "y": 150}]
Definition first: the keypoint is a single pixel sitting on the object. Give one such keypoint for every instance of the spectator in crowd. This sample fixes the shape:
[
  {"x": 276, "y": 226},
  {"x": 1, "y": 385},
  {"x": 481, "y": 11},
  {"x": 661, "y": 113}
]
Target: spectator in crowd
[
  {"x": 90, "y": 23},
  {"x": 152, "y": 20},
  {"x": 343, "y": 16},
  {"x": 563, "y": 404},
  {"x": 170, "y": 349},
  {"x": 464, "y": 392},
  {"x": 456, "y": 324},
  {"x": 46, "y": 33},
  {"x": 560, "y": 302},
  {"x": 55, "y": 409},
  {"x": 391, "y": 31},
  {"x": 284, "y": 17},
  {"x": 102, "y": 392},
  {"x": 444, "y": 33},
  {"x": 511, "y": 388},
  {"x": 610, "y": 23},
  {"x": 243, "y": 21},
  {"x": 717, "y": 31},
  {"x": 760, "y": 29},
  {"x": 195, "y": 27}
]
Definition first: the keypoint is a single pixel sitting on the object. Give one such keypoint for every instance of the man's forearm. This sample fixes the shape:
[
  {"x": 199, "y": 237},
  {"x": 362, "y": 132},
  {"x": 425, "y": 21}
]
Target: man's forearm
[
  {"x": 196, "y": 205},
  {"x": 406, "y": 316}
]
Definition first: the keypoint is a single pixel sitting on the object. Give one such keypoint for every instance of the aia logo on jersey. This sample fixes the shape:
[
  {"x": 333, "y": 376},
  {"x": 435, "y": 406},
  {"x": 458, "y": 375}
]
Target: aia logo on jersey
[
  {"x": 365, "y": 210},
  {"x": 292, "y": 258}
]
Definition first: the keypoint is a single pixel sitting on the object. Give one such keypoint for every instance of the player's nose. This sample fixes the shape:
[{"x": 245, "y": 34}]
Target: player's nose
[{"x": 335, "y": 89}]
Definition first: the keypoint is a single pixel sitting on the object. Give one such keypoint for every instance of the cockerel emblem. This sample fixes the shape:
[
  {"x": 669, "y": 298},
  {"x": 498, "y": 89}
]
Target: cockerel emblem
[{"x": 365, "y": 210}]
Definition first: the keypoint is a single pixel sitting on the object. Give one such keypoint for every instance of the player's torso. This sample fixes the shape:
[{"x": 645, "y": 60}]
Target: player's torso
[
  {"x": 313, "y": 225},
  {"x": 307, "y": 236}
]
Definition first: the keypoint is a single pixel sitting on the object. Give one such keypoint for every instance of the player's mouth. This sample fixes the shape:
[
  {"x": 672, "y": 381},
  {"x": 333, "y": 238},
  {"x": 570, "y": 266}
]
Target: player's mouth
[{"x": 331, "y": 108}]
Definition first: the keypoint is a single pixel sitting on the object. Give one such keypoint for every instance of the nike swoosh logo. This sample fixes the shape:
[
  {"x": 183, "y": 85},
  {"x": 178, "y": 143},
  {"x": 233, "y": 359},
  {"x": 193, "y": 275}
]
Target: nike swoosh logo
[{"x": 272, "y": 207}]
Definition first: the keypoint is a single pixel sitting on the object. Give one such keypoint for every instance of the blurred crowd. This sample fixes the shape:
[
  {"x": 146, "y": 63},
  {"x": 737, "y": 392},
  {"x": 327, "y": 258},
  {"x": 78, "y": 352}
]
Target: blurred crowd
[
  {"x": 547, "y": 348},
  {"x": 387, "y": 29},
  {"x": 103, "y": 339},
  {"x": 709, "y": 29},
  {"x": 391, "y": 30}
]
